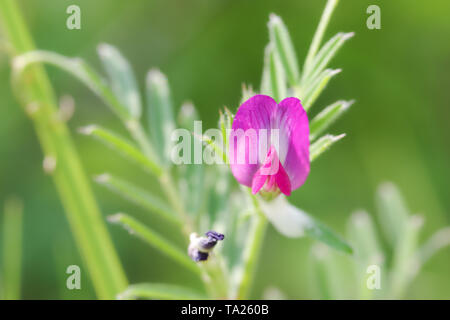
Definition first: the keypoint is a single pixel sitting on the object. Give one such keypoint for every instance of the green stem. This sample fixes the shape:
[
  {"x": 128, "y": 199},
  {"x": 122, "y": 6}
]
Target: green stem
[
  {"x": 85, "y": 219},
  {"x": 174, "y": 200},
  {"x": 252, "y": 252},
  {"x": 12, "y": 248},
  {"x": 165, "y": 177}
]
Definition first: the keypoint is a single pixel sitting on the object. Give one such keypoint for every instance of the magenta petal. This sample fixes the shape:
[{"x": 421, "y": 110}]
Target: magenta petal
[
  {"x": 292, "y": 121},
  {"x": 258, "y": 181},
  {"x": 283, "y": 181},
  {"x": 254, "y": 114}
]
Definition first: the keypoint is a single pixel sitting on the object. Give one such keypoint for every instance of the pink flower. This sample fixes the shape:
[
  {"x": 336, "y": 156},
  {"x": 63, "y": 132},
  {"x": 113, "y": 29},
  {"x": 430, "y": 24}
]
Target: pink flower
[{"x": 269, "y": 145}]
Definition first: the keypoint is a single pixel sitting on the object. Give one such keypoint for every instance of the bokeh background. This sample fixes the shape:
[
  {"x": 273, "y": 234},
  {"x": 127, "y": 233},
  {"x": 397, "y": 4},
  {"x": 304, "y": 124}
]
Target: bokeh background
[{"x": 397, "y": 130}]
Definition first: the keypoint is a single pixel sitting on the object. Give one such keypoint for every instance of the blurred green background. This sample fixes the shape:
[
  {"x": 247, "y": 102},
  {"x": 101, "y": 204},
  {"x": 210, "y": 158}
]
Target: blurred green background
[{"x": 397, "y": 130}]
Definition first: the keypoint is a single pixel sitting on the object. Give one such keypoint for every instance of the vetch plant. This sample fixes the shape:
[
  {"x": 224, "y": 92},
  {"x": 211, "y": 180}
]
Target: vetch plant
[
  {"x": 391, "y": 254},
  {"x": 199, "y": 198}
]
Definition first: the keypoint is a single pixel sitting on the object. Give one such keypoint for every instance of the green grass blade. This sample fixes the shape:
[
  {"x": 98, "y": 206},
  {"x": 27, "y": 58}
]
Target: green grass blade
[
  {"x": 279, "y": 36},
  {"x": 12, "y": 248},
  {"x": 322, "y": 145},
  {"x": 122, "y": 79},
  {"x": 320, "y": 31},
  {"x": 160, "y": 291},
  {"x": 160, "y": 114},
  {"x": 87, "y": 225},
  {"x": 126, "y": 148},
  {"x": 326, "y": 117},
  {"x": 317, "y": 86},
  {"x": 155, "y": 240},
  {"x": 138, "y": 196}
]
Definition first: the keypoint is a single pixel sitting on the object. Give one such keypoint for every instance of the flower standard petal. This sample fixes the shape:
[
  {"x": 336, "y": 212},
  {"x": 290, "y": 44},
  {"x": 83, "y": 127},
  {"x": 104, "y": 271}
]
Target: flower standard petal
[
  {"x": 252, "y": 116},
  {"x": 292, "y": 121}
]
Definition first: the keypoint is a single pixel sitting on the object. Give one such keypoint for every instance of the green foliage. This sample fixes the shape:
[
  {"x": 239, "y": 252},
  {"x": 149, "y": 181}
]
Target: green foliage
[
  {"x": 82, "y": 212},
  {"x": 160, "y": 291},
  {"x": 122, "y": 80},
  {"x": 155, "y": 240},
  {"x": 138, "y": 196},
  {"x": 199, "y": 199},
  {"x": 160, "y": 113},
  {"x": 398, "y": 264},
  {"x": 12, "y": 249},
  {"x": 323, "y": 144},
  {"x": 122, "y": 146}
]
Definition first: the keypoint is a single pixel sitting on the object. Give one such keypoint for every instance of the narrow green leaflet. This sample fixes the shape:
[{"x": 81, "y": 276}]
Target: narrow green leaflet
[
  {"x": 322, "y": 233},
  {"x": 320, "y": 31},
  {"x": 138, "y": 196},
  {"x": 364, "y": 238},
  {"x": 327, "y": 275},
  {"x": 187, "y": 115},
  {"x": 160, "y": 291},
  {"x": 79, "y": 69},
  {"x": 293, "y": 222},
  {"x": 279, "y": 36},
  {"x": 368, "y": 251},
  {"x": 322, "y": 145},
  {"x": 326, "y": 117},
  {"x": 122, "y": 79},
  {"x": 317, "y": 86},
  {"x": 155, "y": 240},
  {"x": 191, "y": 176},
  {"x": 265, "y": 86},
  {"x": 215, "y": 146},
  {"x": 324, "y": 56},
  {"x": 403, "y": 264},
  {"x": 160, "y": 114},
  {"x": 126, "y": 148},
  {"x": 439, "y": 240},
  {"x": 277, "y": 77},
  {"x": 392, "y": 211}
]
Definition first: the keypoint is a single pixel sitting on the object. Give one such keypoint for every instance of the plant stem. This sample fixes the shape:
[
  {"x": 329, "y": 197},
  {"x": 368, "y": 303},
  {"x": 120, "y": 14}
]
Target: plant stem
[
  {"x": 12, "y": 248},
  {"x": 165, "y": 178},
  {"x": 252, "y": 252},
  {"x": 85, "y": 219},
  {"x": 171, "y": 193}
]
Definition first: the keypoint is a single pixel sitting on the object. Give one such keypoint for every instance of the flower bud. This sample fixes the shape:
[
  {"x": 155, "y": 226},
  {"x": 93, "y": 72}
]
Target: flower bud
[{"x": 200, "y": 247}]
